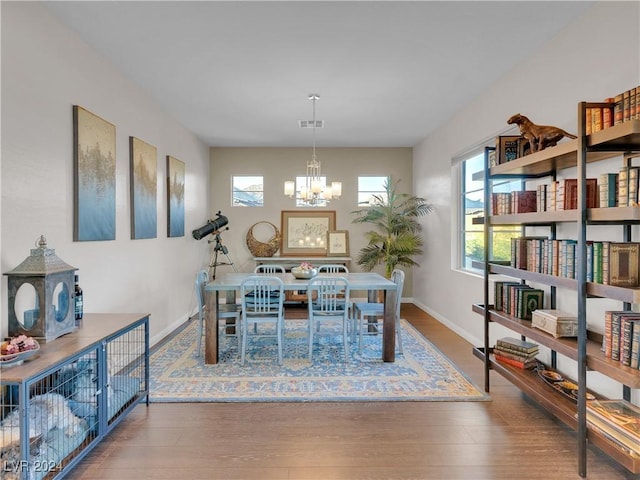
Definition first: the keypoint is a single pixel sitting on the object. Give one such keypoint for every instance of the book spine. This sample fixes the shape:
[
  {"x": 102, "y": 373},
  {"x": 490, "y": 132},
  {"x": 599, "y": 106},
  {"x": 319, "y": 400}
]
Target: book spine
[
  {"x": 597, "y": 262},
  {"x": 625, "y": 341},
  {"x": 617, "y": 109},
  {"x": 623, "y": 186},
  {"x": 626, "y": 105},
  {"x": 519, "y": 348},
  {"x": 514, "y": 363},
  {"x": 589, "y": 261},
  {"x": 519, "y": 356},
  {"x": 519, "y": 353},
  {"x": 607, "y": 333},
  {"x": 605, "y": 270},
  {"x": 615, "y": 336},
  {"x": 632, "y": 197},
  {"x": 607, "y": 114},
  {"x": 635, "y": 344}
]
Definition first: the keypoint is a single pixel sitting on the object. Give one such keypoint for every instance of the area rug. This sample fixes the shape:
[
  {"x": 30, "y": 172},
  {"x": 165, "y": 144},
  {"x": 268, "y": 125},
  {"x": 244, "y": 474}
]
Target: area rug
[{"x": 421, "y": 373}]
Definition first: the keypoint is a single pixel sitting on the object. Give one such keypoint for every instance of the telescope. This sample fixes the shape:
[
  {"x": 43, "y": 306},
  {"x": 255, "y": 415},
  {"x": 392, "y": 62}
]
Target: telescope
[{"x": 210, "y": 227}]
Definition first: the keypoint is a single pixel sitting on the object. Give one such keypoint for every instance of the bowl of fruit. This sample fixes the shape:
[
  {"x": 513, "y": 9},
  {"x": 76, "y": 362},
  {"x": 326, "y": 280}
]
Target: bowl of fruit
[
  {"x": 305, "y": 271},
  {"x": 13, "y": 351}
]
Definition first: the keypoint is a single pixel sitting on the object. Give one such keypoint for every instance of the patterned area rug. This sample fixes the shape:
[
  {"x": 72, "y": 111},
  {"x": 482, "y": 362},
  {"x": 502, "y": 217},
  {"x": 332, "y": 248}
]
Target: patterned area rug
[{"x": 422, "y": 373}]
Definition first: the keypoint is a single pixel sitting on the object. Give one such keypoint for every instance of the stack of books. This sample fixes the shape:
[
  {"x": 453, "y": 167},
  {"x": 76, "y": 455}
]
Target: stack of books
[
  {"x": 622, "y": 337},
  {"x": 516, "y": 352},
  {"x": 517, "y": 299},
  {"x": 618, "y": 420}
]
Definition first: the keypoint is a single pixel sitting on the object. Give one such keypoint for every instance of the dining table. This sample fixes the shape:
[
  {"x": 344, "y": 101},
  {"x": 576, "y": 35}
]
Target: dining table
[{"x": 370, "y": 282}]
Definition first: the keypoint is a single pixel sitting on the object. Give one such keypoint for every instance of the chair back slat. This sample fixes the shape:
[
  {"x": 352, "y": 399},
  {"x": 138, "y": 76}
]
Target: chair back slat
[
  {"x": 333, "y": 268},
  {"x": 262, "y": 294},
  {"x": 269, "y": 269},
  {"x": 328, "y": 295}
]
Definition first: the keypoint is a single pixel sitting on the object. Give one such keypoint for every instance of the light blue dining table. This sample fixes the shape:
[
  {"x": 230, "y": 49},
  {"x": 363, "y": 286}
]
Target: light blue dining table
[{"x": 369, "y": 282}]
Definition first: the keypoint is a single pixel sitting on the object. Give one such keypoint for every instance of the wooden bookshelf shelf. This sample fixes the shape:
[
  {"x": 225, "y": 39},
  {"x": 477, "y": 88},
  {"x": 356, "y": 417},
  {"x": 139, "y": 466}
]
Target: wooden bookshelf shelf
[
  {"x": 568, "y": 347},
  {"x": 559, "y": 406},
  {"x": 586, "y": 348}
]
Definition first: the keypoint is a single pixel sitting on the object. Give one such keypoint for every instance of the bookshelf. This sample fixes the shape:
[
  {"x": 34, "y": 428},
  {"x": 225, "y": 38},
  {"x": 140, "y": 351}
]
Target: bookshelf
[{"x": 585, "y": 350}]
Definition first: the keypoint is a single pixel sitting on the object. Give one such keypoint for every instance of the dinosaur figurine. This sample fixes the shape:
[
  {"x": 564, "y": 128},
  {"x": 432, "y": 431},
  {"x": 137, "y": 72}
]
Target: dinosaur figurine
[{"x": 538, "y": 136}]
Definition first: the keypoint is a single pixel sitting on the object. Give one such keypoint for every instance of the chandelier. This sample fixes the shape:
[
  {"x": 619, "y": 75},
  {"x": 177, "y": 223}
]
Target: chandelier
[{"x": 313, "y": 190}]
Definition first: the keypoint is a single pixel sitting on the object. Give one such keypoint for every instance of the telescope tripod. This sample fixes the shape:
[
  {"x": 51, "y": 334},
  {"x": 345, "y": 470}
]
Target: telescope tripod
[{"x": 214, "y": 263}]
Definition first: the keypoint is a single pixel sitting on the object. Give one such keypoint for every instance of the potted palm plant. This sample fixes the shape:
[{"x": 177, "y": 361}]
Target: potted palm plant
[{"x": 396, "y": 238}]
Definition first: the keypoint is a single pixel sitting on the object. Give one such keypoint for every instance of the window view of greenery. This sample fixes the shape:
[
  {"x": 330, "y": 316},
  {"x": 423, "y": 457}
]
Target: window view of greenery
[
  {"x": 368, "y": 187},
  {"x": 247, "y": 191},
  {"x": 473, "y": 207}
]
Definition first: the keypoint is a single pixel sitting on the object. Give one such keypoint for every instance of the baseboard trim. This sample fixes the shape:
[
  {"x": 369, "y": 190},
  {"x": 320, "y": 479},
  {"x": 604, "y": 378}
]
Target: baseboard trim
[{"x": 449, "y": 324}]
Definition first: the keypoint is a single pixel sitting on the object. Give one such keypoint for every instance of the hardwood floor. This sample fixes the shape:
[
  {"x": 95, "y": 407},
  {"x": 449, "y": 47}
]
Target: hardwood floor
[{"x": 506, "y": 438}]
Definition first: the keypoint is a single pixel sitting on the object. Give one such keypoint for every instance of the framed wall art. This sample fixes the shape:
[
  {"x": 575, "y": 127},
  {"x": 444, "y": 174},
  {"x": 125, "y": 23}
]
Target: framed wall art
[
  {"x": 144, "y": 188},
  {"x": 338, "y": 243},
  {"x": 175, "y": 197},
  {"x": 94, "y": 177},
  {"x": 304, "y": 232}
]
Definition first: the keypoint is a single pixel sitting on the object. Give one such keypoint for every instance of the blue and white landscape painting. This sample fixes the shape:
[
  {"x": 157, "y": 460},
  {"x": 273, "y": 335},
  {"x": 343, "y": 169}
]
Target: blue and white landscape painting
[
  {"x": 144, "y": 187},
  {"x": 175, "y": 196},
  {"x": 95, "y": 181}
]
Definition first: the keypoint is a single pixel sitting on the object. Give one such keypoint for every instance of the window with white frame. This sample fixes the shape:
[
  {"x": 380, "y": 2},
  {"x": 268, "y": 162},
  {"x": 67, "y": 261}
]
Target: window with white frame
[
  {"x": 247, "y": 191},
  {"x": 368, "y": 187},
  {"x": 472, "y": 211}
]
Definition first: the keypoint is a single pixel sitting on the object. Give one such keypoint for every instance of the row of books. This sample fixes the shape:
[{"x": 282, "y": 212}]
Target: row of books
[
  {"x": 623, "y": 107},
  {"x": 621, "y": 340},
  {"x": 563, "y": 195},
  {"x": 608, "y": 263},
  {"x": 517, "y": 299},
  {"x": 619, "y": 189},
  {"x": 557, "y": 195},
  {"x": 544, "y": 255},
  {"x": 617, "y": 420},
  {"x": 608, "y": 190},
  {"x": 516, "y": 352}
]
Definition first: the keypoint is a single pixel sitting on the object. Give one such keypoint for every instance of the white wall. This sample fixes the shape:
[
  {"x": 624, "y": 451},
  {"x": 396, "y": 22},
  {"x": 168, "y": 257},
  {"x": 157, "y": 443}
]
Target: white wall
[
  {"x": 46, "y": 69},
  {"x": 594, "y": 58}
]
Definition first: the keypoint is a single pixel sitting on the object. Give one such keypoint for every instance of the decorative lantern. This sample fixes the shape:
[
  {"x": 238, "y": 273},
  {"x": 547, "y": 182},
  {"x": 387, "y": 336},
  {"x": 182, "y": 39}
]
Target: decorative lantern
[{"x": 41, "y": 295}]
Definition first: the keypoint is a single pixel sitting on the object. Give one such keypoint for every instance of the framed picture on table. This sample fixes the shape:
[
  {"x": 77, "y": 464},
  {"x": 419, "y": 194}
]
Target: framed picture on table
[
  {"x": 304, "y": 232},
  {"x": 338, "y": 243}
]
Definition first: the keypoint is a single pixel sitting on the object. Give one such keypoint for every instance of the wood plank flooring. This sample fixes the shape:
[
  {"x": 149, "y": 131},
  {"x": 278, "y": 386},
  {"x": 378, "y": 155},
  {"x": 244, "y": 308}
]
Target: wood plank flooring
[{"x": 507, "y": 438}]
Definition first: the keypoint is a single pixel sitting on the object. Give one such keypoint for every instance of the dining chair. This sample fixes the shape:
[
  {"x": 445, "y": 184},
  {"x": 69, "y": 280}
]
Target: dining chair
[
  {"x": 369, "y": 316},
  {"x": 269, "y": 269},
  {"x": 226, "y": 311},
  {"x": 333, "y": 268},
  {"x": 328, "y": 298},
  {"x": 262, "y": 303}
]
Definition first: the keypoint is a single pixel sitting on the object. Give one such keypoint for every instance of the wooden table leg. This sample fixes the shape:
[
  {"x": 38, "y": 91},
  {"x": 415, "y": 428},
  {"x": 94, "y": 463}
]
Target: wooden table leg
[
  {"x": 211, "y": 329},
  {"x": 389, "y": 328}
]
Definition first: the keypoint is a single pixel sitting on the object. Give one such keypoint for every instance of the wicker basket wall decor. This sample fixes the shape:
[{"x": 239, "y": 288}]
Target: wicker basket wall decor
[{"x": 261, "y": 249}]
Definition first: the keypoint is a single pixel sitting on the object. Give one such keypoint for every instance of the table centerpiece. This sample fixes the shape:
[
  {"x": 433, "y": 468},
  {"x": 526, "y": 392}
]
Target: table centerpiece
[{"x": 305, "y": 271}]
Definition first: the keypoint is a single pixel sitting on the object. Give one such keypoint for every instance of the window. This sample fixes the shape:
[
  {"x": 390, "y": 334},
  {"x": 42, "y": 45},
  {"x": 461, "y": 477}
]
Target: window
[
  {"x": 247, "y": 191},
  {"x": 370, "y": 186},
  {"x": 472, "y": 211}
]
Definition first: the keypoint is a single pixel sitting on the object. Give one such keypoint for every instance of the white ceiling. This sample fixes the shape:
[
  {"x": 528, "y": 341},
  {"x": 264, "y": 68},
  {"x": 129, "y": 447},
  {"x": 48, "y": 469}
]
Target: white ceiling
[{"x": 238, "y": 73}]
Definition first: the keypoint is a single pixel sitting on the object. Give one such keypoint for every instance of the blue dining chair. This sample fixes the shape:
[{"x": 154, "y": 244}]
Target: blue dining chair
[
  {"x": 328, "y": 298},
  {"x": 269, "y": 269},
  {"x": 226, "y": 311},
  {"x": 262, "y": 303},
  {"x": 333, "y": 268},
  {"x": 369, "y": 316}
]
